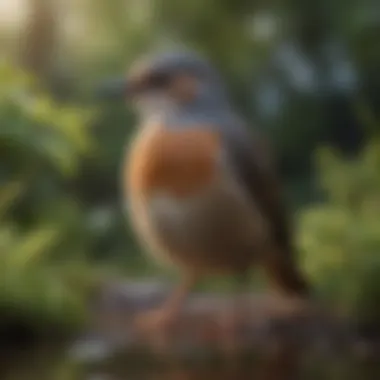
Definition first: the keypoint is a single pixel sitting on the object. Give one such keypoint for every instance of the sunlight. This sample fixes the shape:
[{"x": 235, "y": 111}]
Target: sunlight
[{"x": 12, "y": 13}]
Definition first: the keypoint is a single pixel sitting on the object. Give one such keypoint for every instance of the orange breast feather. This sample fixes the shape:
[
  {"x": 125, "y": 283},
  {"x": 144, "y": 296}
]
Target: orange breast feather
[{"x": 178, "y": 161}]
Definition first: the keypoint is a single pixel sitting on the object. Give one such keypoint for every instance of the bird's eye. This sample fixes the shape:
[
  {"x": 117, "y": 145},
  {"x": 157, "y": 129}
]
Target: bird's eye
[{"x": 159, "y": 80}]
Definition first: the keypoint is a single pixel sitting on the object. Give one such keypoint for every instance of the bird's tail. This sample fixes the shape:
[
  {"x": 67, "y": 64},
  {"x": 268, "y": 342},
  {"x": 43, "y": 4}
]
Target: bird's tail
[{"x": 286, "y": 276}]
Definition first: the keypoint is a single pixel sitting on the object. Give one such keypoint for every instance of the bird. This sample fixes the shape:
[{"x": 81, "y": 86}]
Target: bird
[{"x": 202, "y": 185}]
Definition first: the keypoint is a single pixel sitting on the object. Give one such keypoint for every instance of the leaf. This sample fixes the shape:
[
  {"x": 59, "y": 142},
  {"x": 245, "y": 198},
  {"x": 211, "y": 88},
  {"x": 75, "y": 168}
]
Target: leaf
[
  {"x": 33, "y": 247},
  {"x": 8, "y": 195}
]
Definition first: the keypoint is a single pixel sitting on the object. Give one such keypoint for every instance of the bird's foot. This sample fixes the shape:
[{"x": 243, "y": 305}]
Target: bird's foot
[{"x": 160, "y": 320}]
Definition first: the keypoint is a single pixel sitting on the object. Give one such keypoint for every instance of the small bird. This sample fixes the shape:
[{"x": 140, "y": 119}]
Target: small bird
[{"x": 202, "y": 187}]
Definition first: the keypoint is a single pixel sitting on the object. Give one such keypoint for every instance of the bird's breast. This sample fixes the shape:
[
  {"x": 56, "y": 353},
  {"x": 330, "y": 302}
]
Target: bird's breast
[
  {"x": 177, "y": 162},
  {"x": 184, "y": 201}
]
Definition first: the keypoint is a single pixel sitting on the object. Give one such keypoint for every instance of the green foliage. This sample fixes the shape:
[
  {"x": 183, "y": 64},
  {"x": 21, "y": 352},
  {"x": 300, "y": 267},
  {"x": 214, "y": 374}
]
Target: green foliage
[
  {"x": 341, "y": 238},
  {"x": 54, "y": 135},
  {"x": 42, "y": 143}
]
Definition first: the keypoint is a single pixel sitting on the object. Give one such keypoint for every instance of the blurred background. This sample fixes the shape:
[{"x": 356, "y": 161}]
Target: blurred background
[{"x": 305, "y": 72}]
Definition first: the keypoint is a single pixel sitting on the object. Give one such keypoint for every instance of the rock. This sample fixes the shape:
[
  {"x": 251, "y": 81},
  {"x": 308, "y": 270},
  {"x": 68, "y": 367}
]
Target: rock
[{"x": 267, "y": 320}]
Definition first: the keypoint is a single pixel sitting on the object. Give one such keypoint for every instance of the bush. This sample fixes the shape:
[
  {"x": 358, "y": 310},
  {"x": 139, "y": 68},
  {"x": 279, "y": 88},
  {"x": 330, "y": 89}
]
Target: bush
[
  {"x": 340, "y": 238},
  {"x": 43, "y": 237}
]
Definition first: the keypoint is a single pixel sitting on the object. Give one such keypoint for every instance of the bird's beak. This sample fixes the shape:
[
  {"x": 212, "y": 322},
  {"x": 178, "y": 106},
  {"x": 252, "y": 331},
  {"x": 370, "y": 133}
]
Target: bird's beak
[{"x": 113, "y": 89}]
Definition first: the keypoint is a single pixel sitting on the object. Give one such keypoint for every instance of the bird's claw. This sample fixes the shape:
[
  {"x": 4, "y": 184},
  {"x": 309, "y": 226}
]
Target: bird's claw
[{"x": 160, "y": 320}]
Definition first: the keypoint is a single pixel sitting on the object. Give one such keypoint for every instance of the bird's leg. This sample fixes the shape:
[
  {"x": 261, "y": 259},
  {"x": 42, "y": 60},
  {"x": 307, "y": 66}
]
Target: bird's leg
[
  {"x": 167, "y": 314},
  {"x": 234, "y": 318}
]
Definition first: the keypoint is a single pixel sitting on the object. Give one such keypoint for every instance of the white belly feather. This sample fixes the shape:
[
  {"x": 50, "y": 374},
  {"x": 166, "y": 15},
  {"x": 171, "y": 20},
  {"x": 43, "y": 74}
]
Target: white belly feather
[{"x": 175, "y": 229}]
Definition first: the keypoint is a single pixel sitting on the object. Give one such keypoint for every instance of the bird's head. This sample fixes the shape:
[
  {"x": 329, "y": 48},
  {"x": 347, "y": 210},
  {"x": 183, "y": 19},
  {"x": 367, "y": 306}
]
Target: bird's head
[{"x": 167, "y": 81}]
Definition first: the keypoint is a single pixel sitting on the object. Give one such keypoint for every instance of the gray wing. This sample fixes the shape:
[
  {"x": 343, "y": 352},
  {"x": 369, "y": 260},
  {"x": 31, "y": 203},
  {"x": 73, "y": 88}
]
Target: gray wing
[{"x": 253, "y": 161}]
